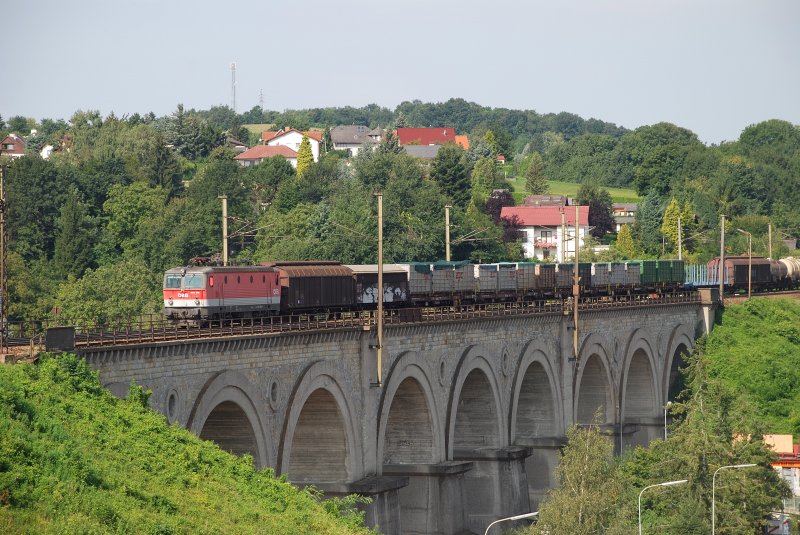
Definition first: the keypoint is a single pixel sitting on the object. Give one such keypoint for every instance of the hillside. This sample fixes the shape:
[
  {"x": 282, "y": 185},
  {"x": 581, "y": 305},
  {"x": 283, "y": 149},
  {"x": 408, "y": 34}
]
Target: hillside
[
  {"x": 74, "y": 459},
  {"x": 756, "y": 350}
]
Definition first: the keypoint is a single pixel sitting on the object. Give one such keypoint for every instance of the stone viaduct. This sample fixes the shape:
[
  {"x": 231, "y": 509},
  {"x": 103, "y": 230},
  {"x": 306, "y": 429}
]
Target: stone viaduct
[{"x": 466, "y": 426}]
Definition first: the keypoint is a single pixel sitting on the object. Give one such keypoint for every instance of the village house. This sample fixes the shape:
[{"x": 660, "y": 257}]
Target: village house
[
  {"x": 542, "y": 229},
  {"x": 624, "y": 213},
  {"x": 292, "y": 138},
  {"x": 258, "y": 153},
  {"x": 355, "y": 137},
  {"x": 13, "y": 146},
  {"x": 788, "y": 466}
]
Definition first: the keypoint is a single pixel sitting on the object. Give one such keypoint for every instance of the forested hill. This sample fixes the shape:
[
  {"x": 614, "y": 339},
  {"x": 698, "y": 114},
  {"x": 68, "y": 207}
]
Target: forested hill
[
  {"x": 755, "y": 350},
  {"x": 74, "y": 459}
]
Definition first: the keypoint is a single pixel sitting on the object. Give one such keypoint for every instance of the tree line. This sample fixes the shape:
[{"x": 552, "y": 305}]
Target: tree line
[{"x": 124, "y": 198}]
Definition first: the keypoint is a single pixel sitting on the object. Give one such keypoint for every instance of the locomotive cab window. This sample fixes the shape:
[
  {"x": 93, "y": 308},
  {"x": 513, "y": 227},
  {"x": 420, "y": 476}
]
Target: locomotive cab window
[
  {"x": 193, "y": 281},
  {"x": 172, "y": 281},
  {"x": 263, "y": 278}
]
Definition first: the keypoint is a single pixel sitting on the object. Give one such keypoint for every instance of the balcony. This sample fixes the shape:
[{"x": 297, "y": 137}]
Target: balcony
[{"x": 545, "y": 243}]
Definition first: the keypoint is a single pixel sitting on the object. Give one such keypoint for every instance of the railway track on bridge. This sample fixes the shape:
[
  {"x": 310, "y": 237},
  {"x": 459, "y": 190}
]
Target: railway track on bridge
[{"x": 155, "y": 329}]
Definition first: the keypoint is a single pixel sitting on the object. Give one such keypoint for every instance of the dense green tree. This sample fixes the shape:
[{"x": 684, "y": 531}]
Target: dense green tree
[
  {"x": 484, "y": 179},
  {"x": 264, "y": 179},
  {"x": 35, "y": 190},
  {"x": 124, "y": 211},
  {"x": 625, "y": 244},
  {"x": 304, "y": 157},
  {"x": 119, "y": 291},
  {"x": 669, "y": 225},
  {"x": 73, "y": 245},
  {"x": 19, "y": 125},
  {"x": 600, "y": 214},
  {"x": 586, "y": 498},
  {"x": 389, "y": 144},
  {"x": 450, "y": 171},
  {"x": 535, "y": 180},
  {"x": 647, "y": 227}
]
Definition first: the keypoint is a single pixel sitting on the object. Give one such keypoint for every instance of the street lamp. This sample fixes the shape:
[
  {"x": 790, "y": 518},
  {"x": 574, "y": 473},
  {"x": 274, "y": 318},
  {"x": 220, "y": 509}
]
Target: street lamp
[
  {"x": 666, "y": 408},
  {"x": 667, "y": 484},
  {"x": 713, "y": 491},
  {"x": 518, "y": 517},
  {"x": 749, "y": 261}
]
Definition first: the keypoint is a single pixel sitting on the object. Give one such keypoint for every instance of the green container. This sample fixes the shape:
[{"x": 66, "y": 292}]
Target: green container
[{"x": 648, "y": 271}]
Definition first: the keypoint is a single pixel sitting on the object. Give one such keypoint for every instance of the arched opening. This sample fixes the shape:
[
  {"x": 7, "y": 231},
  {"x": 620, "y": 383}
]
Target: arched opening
[
  {"x": 536, "y": 411},
  {"x": 409, "y": 433},
  {"x": 639, "y": 404},
  {"x": 228, "y": 426},
  {"x": 536, "y": 425},
  {"x": 476, "y": 424},
  {"x": 677, "y": 381},
  {"x": 594, "y": 393},
  {"x": 319, "y": 445}
]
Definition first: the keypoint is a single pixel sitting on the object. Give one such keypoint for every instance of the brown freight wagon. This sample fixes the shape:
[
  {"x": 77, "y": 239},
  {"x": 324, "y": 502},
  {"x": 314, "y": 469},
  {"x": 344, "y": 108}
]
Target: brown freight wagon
[{"x": 315, "y": 285}]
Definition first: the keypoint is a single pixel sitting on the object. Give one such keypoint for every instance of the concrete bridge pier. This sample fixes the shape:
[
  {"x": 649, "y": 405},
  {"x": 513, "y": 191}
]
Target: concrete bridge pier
[{"x": 434, "y": 500}]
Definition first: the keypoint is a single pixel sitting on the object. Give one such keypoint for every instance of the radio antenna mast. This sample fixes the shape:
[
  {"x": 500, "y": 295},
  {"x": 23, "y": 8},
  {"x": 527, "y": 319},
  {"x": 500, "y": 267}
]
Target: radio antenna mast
[{"x": 233, "y": 86}]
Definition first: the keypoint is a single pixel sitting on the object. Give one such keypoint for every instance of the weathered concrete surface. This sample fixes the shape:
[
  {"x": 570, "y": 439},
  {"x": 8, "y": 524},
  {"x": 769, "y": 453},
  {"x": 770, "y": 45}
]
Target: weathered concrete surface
[{"x": 466, "y": 425}]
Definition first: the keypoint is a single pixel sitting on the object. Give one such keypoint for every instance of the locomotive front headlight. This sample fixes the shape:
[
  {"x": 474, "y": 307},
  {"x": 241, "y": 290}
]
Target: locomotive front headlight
[
  {"x": 170, "y": 302},
  {"x": 197, "y": 302}
]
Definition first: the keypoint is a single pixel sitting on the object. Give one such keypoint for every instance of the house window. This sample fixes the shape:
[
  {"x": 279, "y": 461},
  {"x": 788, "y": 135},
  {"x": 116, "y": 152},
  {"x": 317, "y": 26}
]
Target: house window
[
  {"x": 8, "y": 146},
  {"x": 547, "y": 235}
]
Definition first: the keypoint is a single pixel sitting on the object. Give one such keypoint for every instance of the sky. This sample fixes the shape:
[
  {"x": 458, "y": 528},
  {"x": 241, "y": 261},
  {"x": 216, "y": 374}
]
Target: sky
[{"x": 712, "y": 66}]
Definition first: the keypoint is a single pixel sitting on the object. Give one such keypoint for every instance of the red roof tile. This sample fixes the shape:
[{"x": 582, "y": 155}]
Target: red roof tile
[
  {"x": 259, "y": 152},
  {"x": 269, "y": 134},
  {"x": 545, "y": 216},
  {"x": 426, "y": 136}
]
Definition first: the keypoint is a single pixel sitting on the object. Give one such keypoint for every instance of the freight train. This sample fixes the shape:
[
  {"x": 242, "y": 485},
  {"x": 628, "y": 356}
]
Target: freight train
[{"x": 196, "y": 294}]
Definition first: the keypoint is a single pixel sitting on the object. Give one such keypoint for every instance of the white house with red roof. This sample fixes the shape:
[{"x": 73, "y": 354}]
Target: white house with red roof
[
  {"x": 258, "y": 153},
  {"x": 541, "y": 227},
  {"x": 13, "y": 146},
  {"x": 292, "y": 138}
]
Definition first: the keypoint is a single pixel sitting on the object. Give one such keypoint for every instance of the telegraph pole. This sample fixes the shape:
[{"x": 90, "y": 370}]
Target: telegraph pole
[
  {"x": 3, "y": 270},
  {"x": 769, "y": 238},
  {"x": 563, "y": 235},
  {"x": 224, "y": 229},
  {"x": 447, "y": 231},
  {"x": 722, "y": 258},
  {"x": 576, "y": 288},
  {"x": 380, "y": 287}
]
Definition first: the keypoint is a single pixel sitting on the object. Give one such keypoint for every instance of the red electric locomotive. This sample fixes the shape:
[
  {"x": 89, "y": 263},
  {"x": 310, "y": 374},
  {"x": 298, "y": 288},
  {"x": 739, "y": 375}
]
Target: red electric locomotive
[{"x": 195, "y": 294}]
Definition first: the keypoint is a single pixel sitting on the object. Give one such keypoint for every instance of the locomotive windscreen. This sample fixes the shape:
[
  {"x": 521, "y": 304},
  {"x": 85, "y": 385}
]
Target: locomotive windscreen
[
  {"x": 194, "y": 280},
  {"x": 173, "y": 282}
]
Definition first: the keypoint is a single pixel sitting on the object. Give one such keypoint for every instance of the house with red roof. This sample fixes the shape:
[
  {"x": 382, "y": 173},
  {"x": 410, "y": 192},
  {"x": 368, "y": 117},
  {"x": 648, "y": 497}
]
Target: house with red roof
[
  {"x": 541, "y": 227},
  {"x": 426, "y": 136},
  {"x": 292, "y": 138},
  {"x": 258, "y": 153},
  {"x": 787, "y": 465},
  {"x": 13, "y": 146}
]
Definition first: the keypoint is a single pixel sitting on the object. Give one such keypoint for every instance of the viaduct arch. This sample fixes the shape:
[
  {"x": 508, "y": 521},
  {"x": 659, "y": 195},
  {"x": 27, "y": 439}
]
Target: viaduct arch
[{"x": 468, "y": 421}]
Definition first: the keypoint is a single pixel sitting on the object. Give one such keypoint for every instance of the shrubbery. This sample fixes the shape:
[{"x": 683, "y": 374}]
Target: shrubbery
[{"x": 74, "y": 459}]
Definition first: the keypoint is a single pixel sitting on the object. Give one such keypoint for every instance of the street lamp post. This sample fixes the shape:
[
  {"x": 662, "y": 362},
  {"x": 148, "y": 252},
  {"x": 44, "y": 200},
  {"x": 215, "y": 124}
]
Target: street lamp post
[
  {"x": 667, "y": 484},
  {"x": 713, "y": 491},
  {"x": 749, "y": 262},
  {"x": 509, "y": 519}
]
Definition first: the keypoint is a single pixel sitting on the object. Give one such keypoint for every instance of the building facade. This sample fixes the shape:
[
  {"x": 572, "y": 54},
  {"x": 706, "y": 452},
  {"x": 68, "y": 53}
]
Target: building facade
[{"x": 546, "y": 234}]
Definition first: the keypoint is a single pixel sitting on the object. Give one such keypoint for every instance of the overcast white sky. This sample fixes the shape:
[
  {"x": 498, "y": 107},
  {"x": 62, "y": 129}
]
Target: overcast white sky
[{"x": 713, "y": 66}]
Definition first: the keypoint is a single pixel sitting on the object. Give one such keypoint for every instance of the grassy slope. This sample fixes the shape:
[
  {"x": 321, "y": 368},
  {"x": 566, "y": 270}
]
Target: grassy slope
[
  {"x": 570, "y": 189},
  {"x": 73, "y": 459},
  {"x": 756, "y": 349}
]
